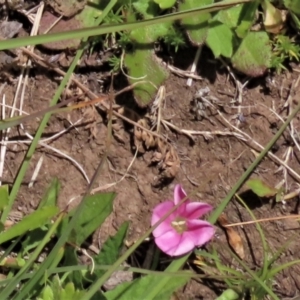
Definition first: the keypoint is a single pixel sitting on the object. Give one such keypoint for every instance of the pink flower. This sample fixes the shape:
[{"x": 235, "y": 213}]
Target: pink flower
[{"x": 181, "y": 232}]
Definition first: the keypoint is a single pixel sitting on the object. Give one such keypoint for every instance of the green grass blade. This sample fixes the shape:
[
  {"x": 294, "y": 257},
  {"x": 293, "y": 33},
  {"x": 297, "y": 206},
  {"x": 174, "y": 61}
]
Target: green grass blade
[
  {"x": 217, "y": 212},
  {"x": 213, "y": 218},
  {"x": 82, "y": 268},
  {"x": 260, "y": 281},
  {"x": 263, "y": 240},
  {"x": 17, "y": 278},
  {"x": 35, "y": 220},
  {"x": 156, "y": 286},
  {"x": 35, "y": 141},
  {"x": 104, "y": 29},
  {"x": 278, "y": 269},
  {"x": 281, "y": 249},
  {"x": 61, "y": 241}
]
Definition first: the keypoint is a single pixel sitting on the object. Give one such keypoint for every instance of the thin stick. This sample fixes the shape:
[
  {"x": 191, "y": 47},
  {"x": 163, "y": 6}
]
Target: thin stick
[
  {"x": 36, "y": 171},
  {"x": 183, "y": 73},
  {"x": 269, "y": 154},
  {"x": 263, "y": 220},
  {"x": 194, "y": 65},
  {"x": 3, "y": 142}
]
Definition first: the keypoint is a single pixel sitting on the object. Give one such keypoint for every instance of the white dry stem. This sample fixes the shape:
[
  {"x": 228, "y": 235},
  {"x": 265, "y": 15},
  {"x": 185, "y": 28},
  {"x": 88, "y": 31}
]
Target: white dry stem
[
  {"x": 281, "y": 119},
  {"x": 53, "y": 24},
  {"x": 206, "y": 134},
  {"x": 90, "y": 257},
  {"x": 34, "y": 31},
  {"x": 30, "y": 14},
  {"x": 270, "y": 154},
  {"x": 25, "y": 70},
  {"x": 44, "y": 141},
  {"x": 194, "y": 65},
  {"x": 286, "y": 156},
  {"x": 156, "y": 107},
  {"x": 4, "y": 140},
  {"x": 289, "y": 153},
  {"x": 102, "y": 105},
  {"x": 239, "y": 89},
  {"x": 5, "y": 133},
  {"x": 183, "y": 73},
  {"x": 36, "y": 171},
  {"x": 80, "y": 168},
  {"x": 53, "y": 137},
  {"x": 109, "y": 185}
]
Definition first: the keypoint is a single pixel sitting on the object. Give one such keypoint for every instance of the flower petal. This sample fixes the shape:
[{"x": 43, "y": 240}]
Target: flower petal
[
  {"x": 200, "y": 232},
  {"x": 179, "y": 194},
  {"x": 186, "y": 245},
  {"x": 195, "y": 210},
  {"x": 174, "y": 244},
  {"x": 159, "y": 211}
]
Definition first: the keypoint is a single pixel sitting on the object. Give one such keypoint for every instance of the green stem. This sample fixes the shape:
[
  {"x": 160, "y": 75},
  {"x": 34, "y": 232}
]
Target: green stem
[
  {"x": 46, "y": 264},
  {"x": 213, "y": 218},
  {"x": 17, "y": 278},
  {"x": 104, "y": 29},
  {"x": 176, "y": 264}
]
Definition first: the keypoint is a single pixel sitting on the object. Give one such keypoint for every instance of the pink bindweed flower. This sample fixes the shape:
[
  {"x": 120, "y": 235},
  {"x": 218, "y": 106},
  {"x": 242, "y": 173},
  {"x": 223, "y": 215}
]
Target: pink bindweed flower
[{"x": 181, "y": 232}]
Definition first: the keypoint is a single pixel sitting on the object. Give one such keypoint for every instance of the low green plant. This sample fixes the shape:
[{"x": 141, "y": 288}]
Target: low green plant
[
  {"x": 227, "y": 33},
  {"x": 284, "y": 49},
  {"x": 240, "y": 280},
  {"x": 115, "y": 63}
]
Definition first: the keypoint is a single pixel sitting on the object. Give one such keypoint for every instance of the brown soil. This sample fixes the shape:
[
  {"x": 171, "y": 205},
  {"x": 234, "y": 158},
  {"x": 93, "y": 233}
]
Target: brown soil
[{"x": 210, "y": 164}]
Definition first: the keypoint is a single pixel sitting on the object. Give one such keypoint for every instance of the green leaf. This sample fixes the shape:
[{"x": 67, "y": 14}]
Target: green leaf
[
  {"x": 68, "y": 292},
  {"x": 229, "y": 294},
  {"x": 196, "y": 26},
  {"x": 91, "y": 12},
  {"x": 97, "y": 30},
  {"x": 56, "y": 286},
  {"x": 148, "y": 9},
  {"x": 4, "y": 197},
  {"x": 230, "y": 17},
  {"x": 56, "y": 291},
  {"x": 47, "y": 293},
  {"x": 253, "y": 56},
  {"x": 292, "y": 5},
  {"x": 165, "y": 4},
  {"x": 136, "y": 289},
  {"x": 145, "y": 37},
  {"x": 111, "y": 249},
  {"x": 35, "y": 220},
  {"x": 247, "y": 17},
  {"x": 143, "y": 65},
  {"x": 85, "y": 17},
  {"x": 50, "y": 198},
  {"x": 158, "y": 285},
  {"x": 220, "y": 39},
  {"x": 71, "y": 259},
  {"x": 33, "y": 238},
  {"x": 96, "y": 209},
  {"x": 260, "y": 188}
]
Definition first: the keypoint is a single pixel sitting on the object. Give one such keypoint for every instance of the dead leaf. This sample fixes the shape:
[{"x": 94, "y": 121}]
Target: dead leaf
[
  {"x": 165, "y": 156},
  {"x": 233, "y": 237}
]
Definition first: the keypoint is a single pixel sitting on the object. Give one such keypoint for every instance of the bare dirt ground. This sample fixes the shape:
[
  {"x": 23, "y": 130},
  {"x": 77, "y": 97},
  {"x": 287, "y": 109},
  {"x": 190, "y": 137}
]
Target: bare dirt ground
[{"x": 211, "y": 163}]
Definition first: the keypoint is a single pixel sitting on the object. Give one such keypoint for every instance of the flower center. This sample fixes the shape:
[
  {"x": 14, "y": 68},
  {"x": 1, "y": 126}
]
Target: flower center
[{"x": 179, "y": 224}]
